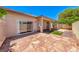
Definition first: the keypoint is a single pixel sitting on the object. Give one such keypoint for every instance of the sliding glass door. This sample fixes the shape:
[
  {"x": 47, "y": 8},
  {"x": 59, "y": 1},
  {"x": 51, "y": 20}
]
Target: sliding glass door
[
  {"x": 25, "y": 27},
  {"x": 29, "y": 26}
]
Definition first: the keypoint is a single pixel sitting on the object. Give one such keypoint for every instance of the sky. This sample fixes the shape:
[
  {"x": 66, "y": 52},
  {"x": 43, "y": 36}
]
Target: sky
[{"x": 49, "y": 11}]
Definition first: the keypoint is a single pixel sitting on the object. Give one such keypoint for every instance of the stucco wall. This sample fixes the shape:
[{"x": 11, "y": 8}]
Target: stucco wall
[
  {"x": 75, "y": 28},
  {"x": 44, "y": 25},
  {"x": 2, "y": 32},
  {"x": 11, "y": 22}
]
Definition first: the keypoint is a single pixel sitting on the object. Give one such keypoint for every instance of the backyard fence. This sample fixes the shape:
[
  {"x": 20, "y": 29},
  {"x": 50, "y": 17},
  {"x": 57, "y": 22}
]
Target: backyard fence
[{"x": 63, "y": 26}]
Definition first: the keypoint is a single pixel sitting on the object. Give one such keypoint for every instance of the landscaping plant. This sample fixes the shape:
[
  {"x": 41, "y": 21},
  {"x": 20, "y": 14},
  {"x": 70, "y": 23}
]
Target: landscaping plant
[
  {"x": 57, "y": 32},
  {"x": 69, "y": 16},
  {"x": 3, "y": 12}
]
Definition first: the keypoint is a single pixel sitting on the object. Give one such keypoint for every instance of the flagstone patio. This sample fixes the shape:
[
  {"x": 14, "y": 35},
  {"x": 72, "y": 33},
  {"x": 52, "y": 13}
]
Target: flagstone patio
[{"x": 41, "y": 42}]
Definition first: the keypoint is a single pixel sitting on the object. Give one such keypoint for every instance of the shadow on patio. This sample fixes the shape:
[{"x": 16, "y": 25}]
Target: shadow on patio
[{"x": 6, "y": 44}]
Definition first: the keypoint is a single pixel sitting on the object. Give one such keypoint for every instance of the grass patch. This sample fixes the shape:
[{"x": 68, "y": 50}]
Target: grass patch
[{"x": 56, "y": 32}]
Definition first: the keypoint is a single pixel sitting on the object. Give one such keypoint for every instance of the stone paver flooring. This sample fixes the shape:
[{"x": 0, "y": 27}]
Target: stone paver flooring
[{"x": 42, "y": 42}]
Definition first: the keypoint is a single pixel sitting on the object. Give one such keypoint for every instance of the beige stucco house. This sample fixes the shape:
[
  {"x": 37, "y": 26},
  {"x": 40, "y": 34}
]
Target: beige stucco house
[{"x": 18, "y": 23}]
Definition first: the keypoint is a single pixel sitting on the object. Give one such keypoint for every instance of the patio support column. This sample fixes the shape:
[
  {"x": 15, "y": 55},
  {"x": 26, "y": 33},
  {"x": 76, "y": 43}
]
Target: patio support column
[
  {"x": 51, "y": 26},
  {"x": 41, "y": 25}
]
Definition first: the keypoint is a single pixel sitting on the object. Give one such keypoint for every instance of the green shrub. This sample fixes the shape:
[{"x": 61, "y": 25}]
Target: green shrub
[
  {"x": 57, "y": 32},
  {"x": 2, "y": 12}
]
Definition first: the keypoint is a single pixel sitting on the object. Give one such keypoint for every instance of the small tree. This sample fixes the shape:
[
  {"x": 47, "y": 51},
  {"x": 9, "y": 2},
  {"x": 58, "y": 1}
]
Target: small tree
[
  {"x": 69, "y": 16},
  {"x": 3, "y": 12}
]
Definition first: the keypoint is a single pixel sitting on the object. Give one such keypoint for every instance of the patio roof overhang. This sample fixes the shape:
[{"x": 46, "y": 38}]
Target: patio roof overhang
[{"x": 44, "y": 18}]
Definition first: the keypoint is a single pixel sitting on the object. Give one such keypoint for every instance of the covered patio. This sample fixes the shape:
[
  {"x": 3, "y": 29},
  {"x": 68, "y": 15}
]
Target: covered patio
[{"x": 44, "y": 23}]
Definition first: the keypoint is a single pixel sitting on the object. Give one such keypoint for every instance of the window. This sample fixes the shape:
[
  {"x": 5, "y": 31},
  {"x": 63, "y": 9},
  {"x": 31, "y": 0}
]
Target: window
[{"x": 25, "y": 26}]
